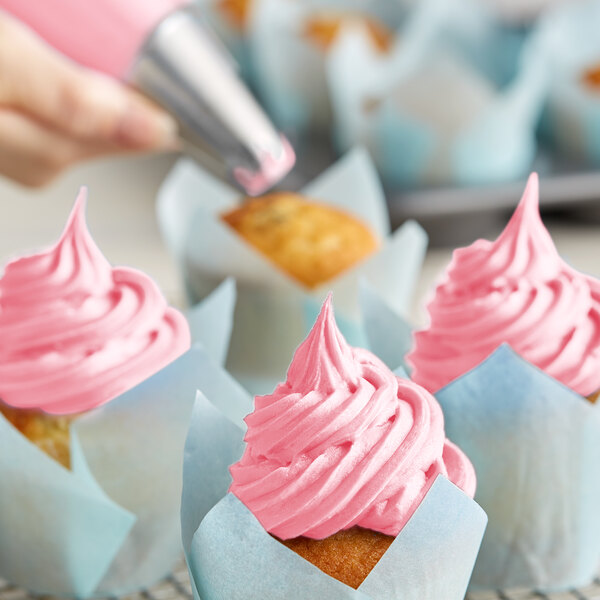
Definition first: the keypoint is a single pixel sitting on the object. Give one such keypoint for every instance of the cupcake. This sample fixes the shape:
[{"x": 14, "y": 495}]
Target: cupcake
[
  {"x": 512, "y": 353},
  {"x": 572, "y": 119},
  {"x": 235, "y": 11},
  {"x": 95, "y": 376},
  {"x": 339, "y": 457},
  {"x": 344, "y": 482},
  {"x": 493, "y": 82},
  {"x": 591, "y": 78},
  {"x": 311, "y": 242},
  {"x": 322, "y": 29},
  {"x": 77, "y": 333},
  {"x": 515, "y": 290},
  {"x": 291, "y": 42},
  {"x": 286, "y": 252}
]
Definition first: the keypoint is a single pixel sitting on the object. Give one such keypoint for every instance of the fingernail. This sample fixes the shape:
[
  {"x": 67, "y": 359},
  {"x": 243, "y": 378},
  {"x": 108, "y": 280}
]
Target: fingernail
[{"x": 142, "y": 127}]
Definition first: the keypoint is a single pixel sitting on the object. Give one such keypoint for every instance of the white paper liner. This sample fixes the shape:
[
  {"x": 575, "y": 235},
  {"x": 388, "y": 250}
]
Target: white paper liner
[
  {"x": 230, "y": 555},
  {"x": 495, "y": 142},
  {"x": 535, "y": 445},
  {"x": 570, "y": 34},
  {"x": 270, "y": 318},
  {"x": 111, "y": 523}
]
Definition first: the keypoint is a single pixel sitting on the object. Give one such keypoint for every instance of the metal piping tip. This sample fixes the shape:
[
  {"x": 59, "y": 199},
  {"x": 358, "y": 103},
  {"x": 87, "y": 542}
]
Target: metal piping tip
[
  {"x": 185, "y": 69},
  {"x": 273, "y": 168}
]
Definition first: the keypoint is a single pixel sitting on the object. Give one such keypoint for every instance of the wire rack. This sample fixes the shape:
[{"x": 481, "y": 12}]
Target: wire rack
[{"x": 177, "y": 587}]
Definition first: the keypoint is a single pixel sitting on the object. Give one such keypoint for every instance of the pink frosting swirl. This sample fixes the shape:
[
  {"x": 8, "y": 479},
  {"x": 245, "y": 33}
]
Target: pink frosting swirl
[
  {"x": 75, "y": 332},
  {"x": 343, "y": 442},
  {"x": 515, "y": 290}
]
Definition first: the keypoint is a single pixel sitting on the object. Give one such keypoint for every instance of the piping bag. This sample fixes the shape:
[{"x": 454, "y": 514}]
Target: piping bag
[{"x": 163, "y": 48}]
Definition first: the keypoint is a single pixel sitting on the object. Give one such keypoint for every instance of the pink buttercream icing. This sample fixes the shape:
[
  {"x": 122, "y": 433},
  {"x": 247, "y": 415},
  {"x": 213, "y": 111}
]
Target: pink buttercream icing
[
  {"x": 76, "y": 332},
  {"x": 516, "y": 290},
  {"x": 343, "y": 442}
]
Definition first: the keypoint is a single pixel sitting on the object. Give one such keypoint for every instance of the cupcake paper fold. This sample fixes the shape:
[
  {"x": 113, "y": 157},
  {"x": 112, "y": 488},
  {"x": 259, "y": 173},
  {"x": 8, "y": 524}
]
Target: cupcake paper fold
[
  {"x": 230, "y": 555},
  {"x": 535, "y": 445},
  {"x": 111, "y": 523},
  {"x": 452, "y": 41},
  {"x": 270, "y": 317}
]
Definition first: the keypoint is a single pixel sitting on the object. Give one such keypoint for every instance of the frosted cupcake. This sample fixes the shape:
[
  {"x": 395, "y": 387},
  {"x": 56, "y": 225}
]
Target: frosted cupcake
[
  {"x": 340, "y": 456},
  {"x": 76, "y": 333},
  {"x": 515, "y": 290},
  {"x": 311, "y": 242}
]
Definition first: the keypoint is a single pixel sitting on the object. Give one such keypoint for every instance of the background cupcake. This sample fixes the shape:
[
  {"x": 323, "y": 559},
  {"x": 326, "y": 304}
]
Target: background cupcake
[
  {"x": 511, "y": 351},
  {"x": 272, "y": 305},
  {"x": 290, "y": 42}
]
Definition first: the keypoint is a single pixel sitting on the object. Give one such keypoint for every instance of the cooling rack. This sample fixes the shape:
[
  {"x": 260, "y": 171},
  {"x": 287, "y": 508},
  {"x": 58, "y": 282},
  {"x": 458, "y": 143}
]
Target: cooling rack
[{"x": 177, "y": 587}]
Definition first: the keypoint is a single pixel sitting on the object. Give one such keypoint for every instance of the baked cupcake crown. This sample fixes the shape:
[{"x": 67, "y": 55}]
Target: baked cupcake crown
[
  {"x": 77, "y": 332},
  {"x": 342, "y": 442},
  {"x": 515, "y": 290}
]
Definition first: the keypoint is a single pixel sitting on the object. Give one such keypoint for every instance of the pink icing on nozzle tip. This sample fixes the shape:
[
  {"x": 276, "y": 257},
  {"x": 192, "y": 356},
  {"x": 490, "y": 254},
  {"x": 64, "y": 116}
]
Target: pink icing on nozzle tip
[{"x": 273, "y": 170}]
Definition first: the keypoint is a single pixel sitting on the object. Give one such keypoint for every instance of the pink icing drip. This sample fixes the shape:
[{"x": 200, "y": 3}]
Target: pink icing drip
[
  {"x": 343, "y": 442},
  {"x": 75, "y": 332},
  {"x": 515, "y": 290}
]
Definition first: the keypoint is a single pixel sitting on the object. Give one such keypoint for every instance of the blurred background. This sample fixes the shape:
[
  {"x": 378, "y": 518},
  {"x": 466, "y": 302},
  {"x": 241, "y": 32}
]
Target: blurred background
[{"x": 457, "y": 101}]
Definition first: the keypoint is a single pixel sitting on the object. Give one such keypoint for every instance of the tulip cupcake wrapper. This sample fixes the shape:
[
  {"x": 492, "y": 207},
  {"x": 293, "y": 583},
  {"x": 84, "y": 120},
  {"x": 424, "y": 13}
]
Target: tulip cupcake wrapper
[
  {"x": 230, "y": 555},
  {"x": 398, "y": 110},
  {"x": 535, "y": 445},
  {"x": 271, "y": 308},
  {"x": 110, "y": 524},
  {"x": 290, "y": 71},
  {"x": 573, "y": 119}
]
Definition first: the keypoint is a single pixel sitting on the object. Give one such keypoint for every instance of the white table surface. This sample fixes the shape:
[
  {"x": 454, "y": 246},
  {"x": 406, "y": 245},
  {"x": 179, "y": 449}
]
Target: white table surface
[{"x": 121, "y": 217}]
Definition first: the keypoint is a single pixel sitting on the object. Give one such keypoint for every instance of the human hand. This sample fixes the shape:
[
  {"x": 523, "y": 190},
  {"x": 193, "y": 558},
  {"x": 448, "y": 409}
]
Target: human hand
[{"x": 54, "y": 113}]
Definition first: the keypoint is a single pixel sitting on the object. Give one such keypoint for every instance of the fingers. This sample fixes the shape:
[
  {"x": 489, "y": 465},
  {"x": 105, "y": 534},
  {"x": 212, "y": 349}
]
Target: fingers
[
  {"x": 33, "y": 155},
  {"x": 80, "y": 103}
]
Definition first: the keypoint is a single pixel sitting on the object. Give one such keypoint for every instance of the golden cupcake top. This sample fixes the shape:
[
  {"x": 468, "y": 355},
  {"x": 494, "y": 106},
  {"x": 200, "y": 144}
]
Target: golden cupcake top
[
  {"x": 591, "y": 77},
  {"x": 323, "y": 28},
  {"x": 235, "y": 11},
  {"x": 311, "y": 242}
]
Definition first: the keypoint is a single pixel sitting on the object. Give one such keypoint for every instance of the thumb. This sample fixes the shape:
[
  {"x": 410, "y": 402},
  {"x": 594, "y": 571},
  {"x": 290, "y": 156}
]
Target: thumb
[{"x": 37, "y": 80}]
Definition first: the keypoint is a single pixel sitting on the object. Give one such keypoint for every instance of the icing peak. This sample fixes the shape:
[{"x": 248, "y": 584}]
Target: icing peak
[
  {"x": 342, "y": 442},
  {"x": 76, "y": 332},
  {"x": 515, "y": 290},
  {"x": 323, "y": 361}
]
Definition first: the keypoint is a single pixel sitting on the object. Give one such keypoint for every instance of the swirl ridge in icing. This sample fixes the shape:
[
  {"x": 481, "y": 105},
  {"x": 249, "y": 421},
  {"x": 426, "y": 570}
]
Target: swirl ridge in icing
[
  {"x": 342, "y": 442},
  {"x": 515, "y": 290},
  {"x": 76, "y": 332}
]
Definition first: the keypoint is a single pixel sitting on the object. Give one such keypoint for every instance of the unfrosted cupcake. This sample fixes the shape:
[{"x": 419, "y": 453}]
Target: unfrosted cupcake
[
  {"x": 311, "y": 242},
  {"x": 323, "y": 28},
  {"x": 76, "y": 333},
  {"x": 515, "y": 290},
  {"x": 340, "y": 456},
  {"x": 235, "y": 11}
]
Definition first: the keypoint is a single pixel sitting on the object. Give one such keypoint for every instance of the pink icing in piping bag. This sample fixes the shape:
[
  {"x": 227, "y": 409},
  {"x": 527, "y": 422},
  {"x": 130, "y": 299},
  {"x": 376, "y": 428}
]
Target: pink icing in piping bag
[
  {"x": 515, "y": 290},
  {"x": 76, "y": 332},
  {"x": 343, "y": 442}
]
